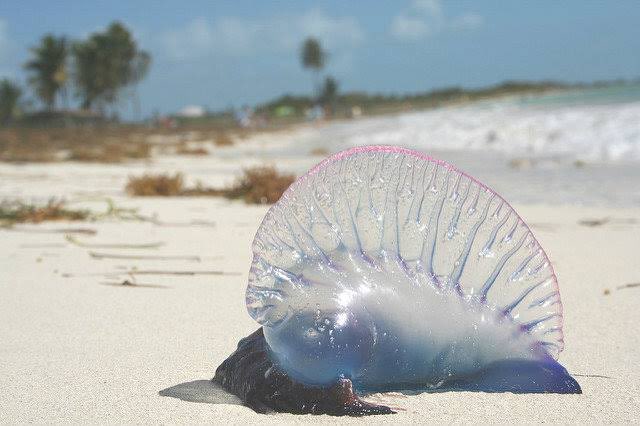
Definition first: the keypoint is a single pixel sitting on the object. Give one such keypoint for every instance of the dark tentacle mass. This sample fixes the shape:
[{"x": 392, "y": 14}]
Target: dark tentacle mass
[{"x": 250, "y": 374}]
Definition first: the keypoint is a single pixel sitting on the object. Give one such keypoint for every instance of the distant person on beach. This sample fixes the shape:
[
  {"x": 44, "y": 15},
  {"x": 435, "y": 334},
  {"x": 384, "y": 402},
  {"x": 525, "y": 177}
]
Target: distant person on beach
[{"x": 244, "y": 116}]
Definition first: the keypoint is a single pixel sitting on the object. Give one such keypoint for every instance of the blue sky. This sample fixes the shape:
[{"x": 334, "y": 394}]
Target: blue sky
[{"x": 230, "y": 53}]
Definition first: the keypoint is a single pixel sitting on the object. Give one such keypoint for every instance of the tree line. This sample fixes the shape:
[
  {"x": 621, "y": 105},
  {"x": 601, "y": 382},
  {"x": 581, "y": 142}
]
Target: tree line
[{"x": 98, "y": 72}]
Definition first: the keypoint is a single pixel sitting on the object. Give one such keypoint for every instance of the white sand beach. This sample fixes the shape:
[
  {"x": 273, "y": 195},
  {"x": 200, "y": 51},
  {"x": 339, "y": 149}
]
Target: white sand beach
[{"x": 76, "y": 346}]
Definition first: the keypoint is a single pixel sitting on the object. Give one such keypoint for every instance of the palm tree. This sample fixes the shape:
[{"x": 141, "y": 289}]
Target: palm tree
[
  {"x": 48, "y": 69},
  {"x": 86, "y": 72},
  {"x": 107, "y": 63},
  {"x": 313, "y": 57},
  {"x": 10, "y": 94}
]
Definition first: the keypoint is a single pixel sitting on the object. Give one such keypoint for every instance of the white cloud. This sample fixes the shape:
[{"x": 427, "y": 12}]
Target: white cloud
[
  {"x": 425, "y": 18},
  {"x": 236, "y": 36},
  {"x": 409, "y": 28},
  {"x": 195, "y": 38}
]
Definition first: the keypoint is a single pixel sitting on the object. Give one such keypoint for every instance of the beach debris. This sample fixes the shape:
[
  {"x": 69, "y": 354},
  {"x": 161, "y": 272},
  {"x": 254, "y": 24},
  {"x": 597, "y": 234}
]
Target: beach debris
[
  {"x": 606, "y": 292},
  {"x": 149, "y": 185},
  {"x": 531, "y": 162},
  {"x": 260, "y": 185},
  {"x": 184, "y": 148},
  {"x": 16, "y": 211},
  {"x": 606, "y": 220},
  {"x": 113, "y": 211},
  {"x": 133, "y": 284},
  {"x": 134, "y": 272},
  {"x": 257, "y": 185},
  {"x": 122, "y": 213},
  {"x": 73, "y": 240},
  {"x": 383, "y": 257},
  {"x": 192, "y": 223},
  {"x": 112, "y": 152},
  {"x": 522, "y": 163},
  {"x": 97, "y": 255},
  {"x": 83, "y": 231},
  {"x": 629, "y": 285},
  {"x": 221, "y": 139},
  {"x": 594, "y": 222}
]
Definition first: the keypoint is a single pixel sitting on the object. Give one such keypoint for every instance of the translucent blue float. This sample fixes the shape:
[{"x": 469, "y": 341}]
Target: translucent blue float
[{"x": 397, "y": 271}]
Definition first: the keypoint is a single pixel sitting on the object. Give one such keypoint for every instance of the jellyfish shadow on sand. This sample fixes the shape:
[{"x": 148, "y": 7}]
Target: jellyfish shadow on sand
[{"x": 202, "y": 391}]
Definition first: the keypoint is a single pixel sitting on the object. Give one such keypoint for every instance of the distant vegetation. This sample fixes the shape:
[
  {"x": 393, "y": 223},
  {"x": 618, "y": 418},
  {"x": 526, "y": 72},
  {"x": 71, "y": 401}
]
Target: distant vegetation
[
  {"x": 68, "y": 110},
  {"x": 100, "y": 72},
  {"x": 343, "y": 103},
  {"x": 105, "y": 65},
  {"x": 47, "y": 69},
  {"x": 10, "y": 94},
  {"x": 112, "y": 144}
]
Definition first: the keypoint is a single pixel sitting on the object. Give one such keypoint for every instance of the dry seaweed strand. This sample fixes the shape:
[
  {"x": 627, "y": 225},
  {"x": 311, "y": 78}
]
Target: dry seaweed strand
[
  {"x": 257, "y": 185},
  {"x": 629, "y": 285},
  {"x": 133, "y": 273},
  {"x": 133, "y": 284},
  {"x": 96, "y": 255},
  {"x": 12, "y": 212},
  {"x": 75, "y": 241}
]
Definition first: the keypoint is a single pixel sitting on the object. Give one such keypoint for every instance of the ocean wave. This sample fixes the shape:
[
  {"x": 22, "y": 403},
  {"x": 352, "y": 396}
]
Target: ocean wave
[
  {"x": 603, "y": 132},
  {"x": 590, "y": 132}
]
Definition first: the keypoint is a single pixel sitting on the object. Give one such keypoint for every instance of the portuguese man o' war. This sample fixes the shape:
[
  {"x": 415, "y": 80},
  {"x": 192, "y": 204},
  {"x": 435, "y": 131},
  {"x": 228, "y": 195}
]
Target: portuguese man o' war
[{"x": 385, "y": 269}]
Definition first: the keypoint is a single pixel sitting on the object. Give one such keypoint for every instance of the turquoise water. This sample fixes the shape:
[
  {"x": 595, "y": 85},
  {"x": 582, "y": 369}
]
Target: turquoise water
[{"x": 626, "y": 93}]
